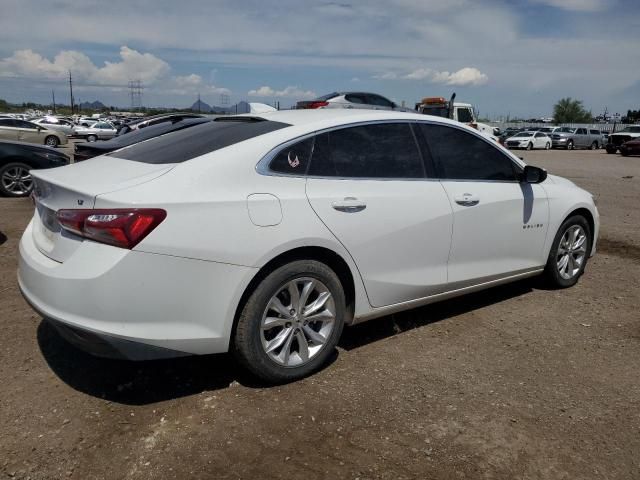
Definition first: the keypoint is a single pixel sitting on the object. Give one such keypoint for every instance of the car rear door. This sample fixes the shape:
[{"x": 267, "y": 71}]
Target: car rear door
[
  {"x": 499, "y": 224},
  {"x": 29, "y": 132},
  {"x": 367, "y": 184},
  {"x": 8, "y": 129}
]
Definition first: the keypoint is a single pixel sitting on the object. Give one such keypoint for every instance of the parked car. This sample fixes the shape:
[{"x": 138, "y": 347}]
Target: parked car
[
  {"x": 618, "y": 138},
  {"x": 98, "y": 131},
  {"x": 13, "y": 129},
  {"x": 630, "y": 147},
  {"x": 529, "y": 140},
  {"x": 52, "y": 123},
  {"x": 266, "y": 235},
  {"x": 18, "y": 159},
  {"x": 365, "y": 100},
  {"x": 87, "y": 121},
  {"x": 581, "y": 137},
  {"x": 84, "y": 151},
  {"x": 155, "y": 120}
]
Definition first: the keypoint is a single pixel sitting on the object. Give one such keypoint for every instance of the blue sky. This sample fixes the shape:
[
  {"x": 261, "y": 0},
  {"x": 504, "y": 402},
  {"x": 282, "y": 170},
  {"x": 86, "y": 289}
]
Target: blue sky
[{"x": 505, "y": 56}]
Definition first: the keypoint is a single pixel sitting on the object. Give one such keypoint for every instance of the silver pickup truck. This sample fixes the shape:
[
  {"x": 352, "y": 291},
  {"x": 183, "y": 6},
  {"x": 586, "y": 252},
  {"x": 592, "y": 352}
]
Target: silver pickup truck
[{"x": 570, "y": 138}]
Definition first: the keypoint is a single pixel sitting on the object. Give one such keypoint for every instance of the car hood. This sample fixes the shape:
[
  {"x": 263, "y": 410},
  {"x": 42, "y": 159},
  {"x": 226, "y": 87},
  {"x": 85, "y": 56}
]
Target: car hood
[
  {"x": 34, "y": 147},
  {"x": 561, "y": 181}
]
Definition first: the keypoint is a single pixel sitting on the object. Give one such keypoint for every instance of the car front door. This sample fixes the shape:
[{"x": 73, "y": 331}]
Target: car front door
[
  {"x": 540, "y": 140},
  {"x": 499, "y": 224},
  {"x": 368, "y": 186},
  {"x": 582, "y": 138}
]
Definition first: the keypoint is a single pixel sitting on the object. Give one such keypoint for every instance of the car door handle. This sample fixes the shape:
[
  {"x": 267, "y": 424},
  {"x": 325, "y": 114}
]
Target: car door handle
[
  {"x": 467, "y": 200},
  {"x": 349, "y": 205}
]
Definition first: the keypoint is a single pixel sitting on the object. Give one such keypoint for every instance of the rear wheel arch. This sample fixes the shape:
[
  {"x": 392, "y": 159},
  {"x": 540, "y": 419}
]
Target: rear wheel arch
[{"x": 321, "y": 254}]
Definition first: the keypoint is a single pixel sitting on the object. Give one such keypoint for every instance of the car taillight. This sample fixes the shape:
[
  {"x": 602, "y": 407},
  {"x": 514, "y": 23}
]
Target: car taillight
[
  {"x": 317, "y": 104},
  {"x": 120, "y": 227}
]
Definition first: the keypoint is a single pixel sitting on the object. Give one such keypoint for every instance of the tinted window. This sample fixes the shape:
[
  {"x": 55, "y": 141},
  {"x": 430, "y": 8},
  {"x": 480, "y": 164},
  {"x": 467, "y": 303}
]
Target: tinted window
[
  {"x": 355, "y": 98},
  {"x": 23, "y": 124},
  {"x": 581, "y": 131},
  {"x": 539, "y": 135},
  {"x": 464, "y": 115},
  {"x": 371, "y": 151},
  {"x": 463, "y": 156},
  {"x": 595, "y": 132},
  {"x": 7, "y": 122},
  {"x": 183, "y": 145},
  {"x": 293, "y": 159},
  {"x": 379, "y": 101}
]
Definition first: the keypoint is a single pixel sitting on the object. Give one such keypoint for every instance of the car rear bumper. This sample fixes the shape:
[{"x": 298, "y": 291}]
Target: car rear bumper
[{"x": 136, "y": 304}]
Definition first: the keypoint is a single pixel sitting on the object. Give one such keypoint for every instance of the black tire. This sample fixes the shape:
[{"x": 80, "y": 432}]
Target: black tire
[
  {"x": 14, "y": 170},
  {"x": 51, "y": 141},
  {"x": 529, "y": 146},
  {"x": 611, "y": 151},
  {"x": 570, "y": 145},
  {"x": 547, "y": 146},
  {"x": 594, "y": 146},
  {"x": 92, "y": 138},
  {"x": 551, "y": 272},
  {"x": 247, "y": 341},
  {"x": 624, "y": 153}
]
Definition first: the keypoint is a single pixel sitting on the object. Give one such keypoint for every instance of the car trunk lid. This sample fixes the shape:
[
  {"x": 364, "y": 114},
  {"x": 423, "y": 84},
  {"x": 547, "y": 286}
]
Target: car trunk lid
[{"x": 76, "y": 187}]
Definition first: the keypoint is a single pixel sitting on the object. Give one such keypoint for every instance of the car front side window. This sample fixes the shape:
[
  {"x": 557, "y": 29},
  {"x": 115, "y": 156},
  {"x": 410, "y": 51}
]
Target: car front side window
[{"x": 460, "y": 155}]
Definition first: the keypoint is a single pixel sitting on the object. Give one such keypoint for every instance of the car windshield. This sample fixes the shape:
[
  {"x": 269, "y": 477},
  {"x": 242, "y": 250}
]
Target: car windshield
[
  {"x": 523, "y": 134},
  {"x": 632, "y": 129},
  {"x": 438, "y": 111},
  {"x": 566, "y": 130},
  {"x": 183, "y": 145}
]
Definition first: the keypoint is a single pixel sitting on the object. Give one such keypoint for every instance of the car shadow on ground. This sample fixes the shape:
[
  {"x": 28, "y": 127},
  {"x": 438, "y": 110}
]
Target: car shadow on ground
[
  {"x": 141, "y": 383},
  {"x": 3, "y": 238}
]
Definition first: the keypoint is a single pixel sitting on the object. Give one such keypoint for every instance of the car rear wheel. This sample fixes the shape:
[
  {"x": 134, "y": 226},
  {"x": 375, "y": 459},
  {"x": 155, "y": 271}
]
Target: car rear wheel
[
  {"x": 15, "y": 180},
  {"x": 52, "y": 141},
  {"x": 547, "y": 146},
  {"x": 529, "y": 146},
  {"x": 570, "y": 145},
  {"x": 569, "y": 253},
  {"x": 594, "y": 146},
  {"x": 291, "y": 322},
  {"x": 92, "y": 138}
]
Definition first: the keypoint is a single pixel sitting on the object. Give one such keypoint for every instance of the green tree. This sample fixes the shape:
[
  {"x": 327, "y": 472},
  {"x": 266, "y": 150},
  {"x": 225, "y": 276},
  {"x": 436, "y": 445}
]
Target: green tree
[{"x": 568, "y": 110}]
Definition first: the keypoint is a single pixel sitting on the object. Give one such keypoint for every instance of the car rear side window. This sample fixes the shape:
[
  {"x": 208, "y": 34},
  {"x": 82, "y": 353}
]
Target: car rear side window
[
  {"x": 460, "y": 155},
  {"x": 294, "y": 159},
  {"x": 594, "y": 132},
  {"x": 386, "y": 150},
  {"x": 183, "y": 145}
]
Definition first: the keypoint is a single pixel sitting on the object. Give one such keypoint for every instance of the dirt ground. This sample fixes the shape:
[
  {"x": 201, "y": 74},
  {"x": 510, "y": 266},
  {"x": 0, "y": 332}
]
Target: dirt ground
[{"x": 517, "y": 382}]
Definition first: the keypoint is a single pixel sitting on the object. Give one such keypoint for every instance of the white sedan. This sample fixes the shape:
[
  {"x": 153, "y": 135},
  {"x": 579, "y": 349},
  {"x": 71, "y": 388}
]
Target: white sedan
[
  {"x": 266, "y": 235},
  {"x": 97, "y": 131},
  {"x": 53, "y": 123},
  {"x": 529, "y": 140}
]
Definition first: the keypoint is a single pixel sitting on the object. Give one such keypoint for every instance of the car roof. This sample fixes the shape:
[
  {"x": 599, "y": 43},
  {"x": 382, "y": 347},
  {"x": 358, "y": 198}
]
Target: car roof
[{"x": 326, "y": 118}]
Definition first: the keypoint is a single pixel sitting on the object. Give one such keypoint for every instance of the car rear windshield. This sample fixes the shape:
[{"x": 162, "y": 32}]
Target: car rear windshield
[{"x": 183, "y": 145}]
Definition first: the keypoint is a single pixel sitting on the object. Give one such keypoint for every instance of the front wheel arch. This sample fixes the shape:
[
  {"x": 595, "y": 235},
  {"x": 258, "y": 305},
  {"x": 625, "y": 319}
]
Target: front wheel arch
[{"x": 583, "y": 212}]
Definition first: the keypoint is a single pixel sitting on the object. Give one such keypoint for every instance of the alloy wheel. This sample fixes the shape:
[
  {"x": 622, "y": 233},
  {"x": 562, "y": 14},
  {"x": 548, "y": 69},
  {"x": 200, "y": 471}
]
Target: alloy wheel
[
  {"x": 572, "y": 251},
  {"x": 17, "y": 180},
  {"x": 297, "y": 322}
]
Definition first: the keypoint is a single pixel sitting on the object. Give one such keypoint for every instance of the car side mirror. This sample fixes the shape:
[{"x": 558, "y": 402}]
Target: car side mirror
[{"x": 533, "y": 174}]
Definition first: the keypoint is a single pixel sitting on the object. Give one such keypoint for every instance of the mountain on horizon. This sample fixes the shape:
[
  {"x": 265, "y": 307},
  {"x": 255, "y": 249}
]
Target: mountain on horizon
[
  {"x": 240, "y": 107},
  {"x": 95, "y": 105}
]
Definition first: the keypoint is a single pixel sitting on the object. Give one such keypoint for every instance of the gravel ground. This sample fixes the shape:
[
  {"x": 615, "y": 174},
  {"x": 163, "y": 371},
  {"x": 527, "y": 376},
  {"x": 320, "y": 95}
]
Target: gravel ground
[{"x": 517, "y": 382}]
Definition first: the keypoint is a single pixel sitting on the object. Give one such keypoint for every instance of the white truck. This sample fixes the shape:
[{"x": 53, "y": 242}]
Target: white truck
[{"x": 461, "y": 112}]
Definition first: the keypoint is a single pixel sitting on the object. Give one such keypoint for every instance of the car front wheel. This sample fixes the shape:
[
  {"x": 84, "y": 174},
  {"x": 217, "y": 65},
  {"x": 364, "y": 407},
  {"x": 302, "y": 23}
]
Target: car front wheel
[
  {"x": 92, "y": 138},
  {"x": 291, "y": 323},
  {"x": 569, "y": 253}
]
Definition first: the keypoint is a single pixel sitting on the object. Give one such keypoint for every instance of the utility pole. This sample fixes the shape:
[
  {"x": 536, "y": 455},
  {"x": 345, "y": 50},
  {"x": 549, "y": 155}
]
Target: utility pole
[
  {"x": 71, "y": 91},
  {"x": 53, "y": 96}
]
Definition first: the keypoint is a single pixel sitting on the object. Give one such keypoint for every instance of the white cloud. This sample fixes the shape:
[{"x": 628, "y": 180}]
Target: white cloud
[
  {"x": 464, "y": 76},
  {"x": 291, "y": 92},
  {"x": 577, "y": 5},
  {"x": 133, "y": 65}
]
